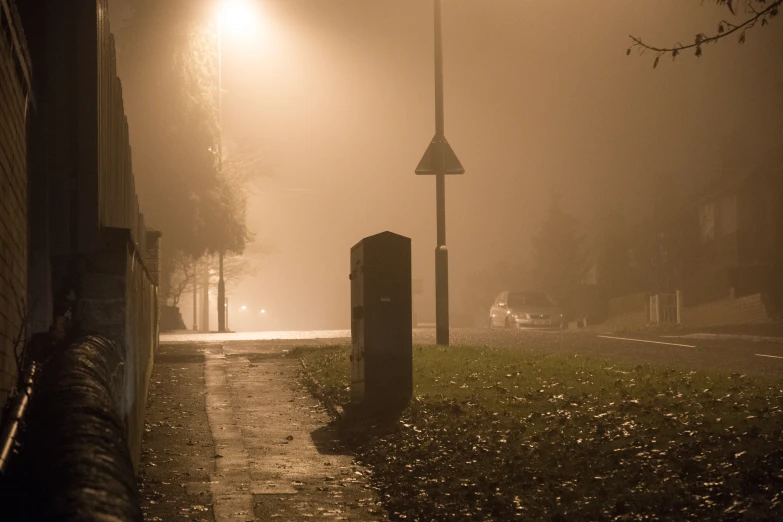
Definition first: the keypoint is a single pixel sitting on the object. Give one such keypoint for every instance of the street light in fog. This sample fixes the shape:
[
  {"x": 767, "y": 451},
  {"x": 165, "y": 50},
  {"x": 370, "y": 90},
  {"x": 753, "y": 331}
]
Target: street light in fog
[
  {"x": 238, "y": 15},
  {"x": 235, "y": 15}
]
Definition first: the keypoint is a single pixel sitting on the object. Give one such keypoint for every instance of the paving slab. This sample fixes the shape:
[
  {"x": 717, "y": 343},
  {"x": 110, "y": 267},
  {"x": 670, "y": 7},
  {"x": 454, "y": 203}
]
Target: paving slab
[{"x": 233, "y": 435}]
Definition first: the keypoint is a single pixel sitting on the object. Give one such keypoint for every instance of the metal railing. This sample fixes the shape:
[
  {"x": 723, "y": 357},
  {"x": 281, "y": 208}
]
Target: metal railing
[{"x": 665, "y": 308}]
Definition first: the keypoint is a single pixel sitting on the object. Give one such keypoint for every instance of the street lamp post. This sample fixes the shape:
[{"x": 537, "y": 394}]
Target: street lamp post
[
  {"x": 221, "y": 297},
  {"x": 439, "y": 159},
  {"x": 235, "y": 12}
]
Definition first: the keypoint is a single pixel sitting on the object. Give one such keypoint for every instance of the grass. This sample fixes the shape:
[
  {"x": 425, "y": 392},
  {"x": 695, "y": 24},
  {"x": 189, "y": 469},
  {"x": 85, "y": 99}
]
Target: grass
[{"x": 506, "y": 434}]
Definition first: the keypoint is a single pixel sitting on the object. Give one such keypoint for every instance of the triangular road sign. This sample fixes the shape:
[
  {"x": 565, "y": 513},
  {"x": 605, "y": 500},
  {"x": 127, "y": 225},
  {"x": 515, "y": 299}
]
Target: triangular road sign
[{"x": 427, "y": 163}]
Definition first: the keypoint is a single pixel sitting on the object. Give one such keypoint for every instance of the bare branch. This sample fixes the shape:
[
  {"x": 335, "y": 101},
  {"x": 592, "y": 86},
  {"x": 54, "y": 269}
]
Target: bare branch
[{"x": 724, "y": 30}]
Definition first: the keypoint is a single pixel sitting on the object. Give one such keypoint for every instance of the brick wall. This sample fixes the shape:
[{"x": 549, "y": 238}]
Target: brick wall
[
  {"x": 745, "y": 310},
  {"x": 14, "y": 88}
]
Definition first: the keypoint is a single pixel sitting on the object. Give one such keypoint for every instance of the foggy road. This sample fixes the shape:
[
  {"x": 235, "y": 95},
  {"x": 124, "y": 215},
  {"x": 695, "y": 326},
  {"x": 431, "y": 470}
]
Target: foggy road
[
  {"x": 761, "y": 357},
  {"x": 722, "y": 355}
]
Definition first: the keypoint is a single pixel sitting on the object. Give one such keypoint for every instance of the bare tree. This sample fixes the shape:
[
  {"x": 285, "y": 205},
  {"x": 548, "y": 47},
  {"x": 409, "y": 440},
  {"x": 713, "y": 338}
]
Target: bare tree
[
  {"x": 180, "y": 277},
  {"x": 755, "y": 12},
  {"x": 235, "y": 269}
]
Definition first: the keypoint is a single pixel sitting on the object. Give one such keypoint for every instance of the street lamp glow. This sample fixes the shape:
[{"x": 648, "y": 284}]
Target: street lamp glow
[{"x": 237, "y": 15}]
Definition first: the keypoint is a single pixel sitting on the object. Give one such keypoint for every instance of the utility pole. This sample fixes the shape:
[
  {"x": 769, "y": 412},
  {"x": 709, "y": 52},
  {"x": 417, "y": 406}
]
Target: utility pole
[{"x": 439, "y": 159}]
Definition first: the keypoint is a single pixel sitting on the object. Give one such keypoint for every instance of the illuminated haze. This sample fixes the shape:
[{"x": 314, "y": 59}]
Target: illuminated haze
[{"x": 337, "y": 97}]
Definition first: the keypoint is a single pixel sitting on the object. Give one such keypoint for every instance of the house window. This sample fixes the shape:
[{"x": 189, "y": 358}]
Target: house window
[
  {"x": 707, "y": 222},
  {"x": 728, "y": 215}
]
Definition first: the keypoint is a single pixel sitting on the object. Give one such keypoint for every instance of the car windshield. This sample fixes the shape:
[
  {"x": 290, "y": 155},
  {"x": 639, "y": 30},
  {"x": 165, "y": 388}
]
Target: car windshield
[{"x": 521, "y": 299}]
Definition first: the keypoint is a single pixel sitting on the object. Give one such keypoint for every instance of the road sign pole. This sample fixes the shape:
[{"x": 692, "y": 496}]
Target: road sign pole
[
  {"x": 441, "y": 252},
  {"x": 439, "y": 159}
]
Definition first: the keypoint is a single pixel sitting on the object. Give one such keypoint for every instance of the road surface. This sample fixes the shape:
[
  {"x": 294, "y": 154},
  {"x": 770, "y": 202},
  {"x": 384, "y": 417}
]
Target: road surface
[{"x": 758, "y": 355}]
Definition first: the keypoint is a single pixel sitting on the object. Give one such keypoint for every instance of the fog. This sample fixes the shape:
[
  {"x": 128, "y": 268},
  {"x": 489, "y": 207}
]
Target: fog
[{"x": 336, "y": 97}]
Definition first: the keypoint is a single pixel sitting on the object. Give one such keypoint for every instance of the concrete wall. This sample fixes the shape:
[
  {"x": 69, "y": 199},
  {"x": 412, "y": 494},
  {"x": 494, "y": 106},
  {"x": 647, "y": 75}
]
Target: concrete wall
[
  {"x": 14, "y": 90},
  {"x": 627, "y": 321},
  {"x": 629, "y": 312},
  {"x": 119, "y": 299},
  {"x": 744, "y": 310}
]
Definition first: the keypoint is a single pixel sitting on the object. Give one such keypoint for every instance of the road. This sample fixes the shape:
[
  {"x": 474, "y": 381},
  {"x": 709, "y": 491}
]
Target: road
[{"x": 763, "y": 356}]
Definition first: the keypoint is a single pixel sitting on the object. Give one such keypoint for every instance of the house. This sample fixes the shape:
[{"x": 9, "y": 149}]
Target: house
[{"x": 739, "y": 247}]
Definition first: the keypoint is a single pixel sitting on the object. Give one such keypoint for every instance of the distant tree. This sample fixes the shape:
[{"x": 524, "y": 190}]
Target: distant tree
[
  {"x": 616, "y": 276},
  {"x": 756, "y": 12},
  {"x": 168, "y": 64},
  {"x": 181, "y": 274},
  {"x": 664, "y": 240},
  {"x": 235, "y": 270},
  {"x": 558, "y": 261}
]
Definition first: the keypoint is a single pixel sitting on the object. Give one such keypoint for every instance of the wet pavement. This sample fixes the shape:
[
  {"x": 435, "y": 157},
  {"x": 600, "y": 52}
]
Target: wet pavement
[{"x": 233, "y": 435}]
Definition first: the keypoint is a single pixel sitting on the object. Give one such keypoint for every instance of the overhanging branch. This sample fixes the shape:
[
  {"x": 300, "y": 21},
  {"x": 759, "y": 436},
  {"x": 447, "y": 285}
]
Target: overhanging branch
[{"x": 725, "y": 29}]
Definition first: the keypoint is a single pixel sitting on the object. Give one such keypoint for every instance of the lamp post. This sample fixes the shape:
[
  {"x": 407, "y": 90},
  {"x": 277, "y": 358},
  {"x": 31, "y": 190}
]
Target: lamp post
[
  {"x": 439, "y": 159},
  {"x": 221, "y": 297},
  {"x": 237, "y": 12}
]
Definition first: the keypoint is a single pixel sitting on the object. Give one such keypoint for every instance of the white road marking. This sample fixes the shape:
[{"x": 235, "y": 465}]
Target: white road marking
[
  {"x": 728, "y": 337},
  {"x": 770, "y": 356},
  {"x": 646, "y": 341}
]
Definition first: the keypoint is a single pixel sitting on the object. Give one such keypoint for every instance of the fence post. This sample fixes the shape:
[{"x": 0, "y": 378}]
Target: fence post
[
  {"x": 655, "y": 316},
  {"x": 678, "y": 294}
]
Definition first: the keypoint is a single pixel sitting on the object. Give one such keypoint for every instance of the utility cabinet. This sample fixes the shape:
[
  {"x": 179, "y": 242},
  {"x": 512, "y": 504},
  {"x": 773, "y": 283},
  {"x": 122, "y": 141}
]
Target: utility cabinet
[{"x": 381, "y": 321}]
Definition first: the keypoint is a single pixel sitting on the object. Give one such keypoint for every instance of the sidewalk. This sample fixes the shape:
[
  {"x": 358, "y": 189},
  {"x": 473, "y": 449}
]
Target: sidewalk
[
  {"x": 233, "y": 435},
  {"x": 771, "y": 332},
  {"x": 766, "y": 331}
]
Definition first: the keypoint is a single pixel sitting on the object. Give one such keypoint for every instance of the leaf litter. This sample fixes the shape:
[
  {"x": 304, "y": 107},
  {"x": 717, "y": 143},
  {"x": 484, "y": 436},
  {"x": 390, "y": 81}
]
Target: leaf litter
[{"x": 532, "y": 436}]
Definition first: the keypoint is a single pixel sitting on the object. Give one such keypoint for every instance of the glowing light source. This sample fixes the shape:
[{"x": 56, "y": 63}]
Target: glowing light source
[
  {"x": 243, "y": 308},
  {"x": 237, "y": 15}
]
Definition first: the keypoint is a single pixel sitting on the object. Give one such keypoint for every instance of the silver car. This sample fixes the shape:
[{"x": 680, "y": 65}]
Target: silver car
[{"x": 523, "y": 309}]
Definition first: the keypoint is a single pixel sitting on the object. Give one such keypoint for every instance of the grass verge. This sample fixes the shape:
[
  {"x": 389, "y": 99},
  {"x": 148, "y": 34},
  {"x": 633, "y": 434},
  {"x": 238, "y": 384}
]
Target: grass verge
[{"x": 501, "y": 434}]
